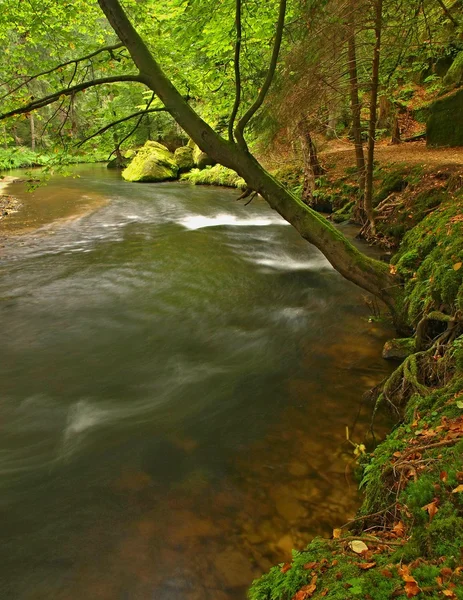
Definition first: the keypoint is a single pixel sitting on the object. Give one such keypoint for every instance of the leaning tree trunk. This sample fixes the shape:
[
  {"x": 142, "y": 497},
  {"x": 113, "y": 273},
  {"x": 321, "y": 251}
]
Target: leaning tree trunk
[
  {"x": 371, "y": 275},
  {"x": 356, "y": 121},
  {"x": 312, "y": 168},
  {"x": 368, "y": 203}
]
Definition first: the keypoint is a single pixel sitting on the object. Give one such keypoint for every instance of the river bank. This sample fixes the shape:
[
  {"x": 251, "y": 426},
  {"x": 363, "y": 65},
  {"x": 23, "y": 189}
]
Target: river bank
[{"x": 407, "y": 539}]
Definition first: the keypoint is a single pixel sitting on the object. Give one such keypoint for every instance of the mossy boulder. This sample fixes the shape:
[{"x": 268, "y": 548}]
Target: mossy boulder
[
  {"x": 184, "y": 159},
  {"x": 454, "y": 75},
  {"x": 399, "y": 348},
  {"x": 201, "y": 159},
  {"x": 152, "y": 163},
  {"x": 445, "y": 124}
]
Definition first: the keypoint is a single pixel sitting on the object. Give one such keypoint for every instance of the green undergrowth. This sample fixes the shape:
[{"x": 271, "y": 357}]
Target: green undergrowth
[
  {"x": 430, "y": 260},
  {"x": 216, "y": 175},
  {"x": 21, "y": 157}
]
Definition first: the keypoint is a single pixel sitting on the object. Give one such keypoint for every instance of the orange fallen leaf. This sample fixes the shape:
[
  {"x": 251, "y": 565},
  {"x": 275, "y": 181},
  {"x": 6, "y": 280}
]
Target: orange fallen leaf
[
  {"x": 399, "y": 529},
  {"x": 366, "y": 566},
  {"x": 337, "y": 534},
  {"x": 457, "y": 266},
  {"x": 386, "y": 573},
  {"x": 443, "y": 476},
  {"x": 310, "y": 565},
  {"x": 449, "y": 594},
  {"x": 307, "y": 591},
  {"x": 286, "y": 567},
  {"x": 458, "y": 489},
  {"x": 431, "y": 508},
  {"x": 412, "y": 588}
]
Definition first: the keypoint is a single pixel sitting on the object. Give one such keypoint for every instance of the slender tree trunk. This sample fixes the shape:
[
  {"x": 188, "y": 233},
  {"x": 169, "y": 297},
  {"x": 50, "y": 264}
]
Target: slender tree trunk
[
  {"x": 312, "y": 167},
  {"x": 395, "y": 139},
  {"x": 32, "y": 125},
  {"x": 368, "y": 203},
  {"x": 355, "y": 110},
  {"x": 370, "y": 274}
]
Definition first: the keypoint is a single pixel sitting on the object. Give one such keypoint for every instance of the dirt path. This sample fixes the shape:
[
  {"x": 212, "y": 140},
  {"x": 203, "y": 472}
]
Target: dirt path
[{"x": 340, "y": 155}]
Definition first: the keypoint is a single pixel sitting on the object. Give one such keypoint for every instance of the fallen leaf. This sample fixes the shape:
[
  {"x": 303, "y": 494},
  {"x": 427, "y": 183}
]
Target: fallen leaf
[
  {"x": 449, "y": 594},
  {"x": 310, "y": 565},
  {"x": 307, "y": 591},
  {"x": 412, "y": 589},
  {"x": 366, "y": 566},
  {"x": 457, "y": 266},
  {"x": 431, "y": 508},
  {"x": 458, "y": 489},
  {"x": 387, "y": 573},
  {"x": 443, "y": 476},
  {"x": 358, "y": 546},
  {"x": 337, "y": 534},
  {"x": 399, "y": 529},
  {"x": 286, "y": 567},
  {"x": 446, "y": 572}
]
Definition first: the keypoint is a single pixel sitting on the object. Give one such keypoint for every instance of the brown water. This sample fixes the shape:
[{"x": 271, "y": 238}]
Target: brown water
[{"x": 176, "y": 374}]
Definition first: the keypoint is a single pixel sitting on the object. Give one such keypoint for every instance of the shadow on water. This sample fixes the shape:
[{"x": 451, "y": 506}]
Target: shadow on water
[{"x": 177, "y": 373}]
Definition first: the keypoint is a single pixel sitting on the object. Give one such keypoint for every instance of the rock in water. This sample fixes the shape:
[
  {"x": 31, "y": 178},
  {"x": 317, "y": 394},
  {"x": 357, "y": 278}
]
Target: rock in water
[
  {"x": 184, "y": 159},
  {"x": 201, "y": 159},
  {"x": 153, "y": 163},
  {"x": 398, "y": 349}
]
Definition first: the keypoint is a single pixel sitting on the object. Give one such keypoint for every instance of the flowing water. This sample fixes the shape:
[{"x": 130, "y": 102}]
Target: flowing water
[{"x": 176, "y": 374}]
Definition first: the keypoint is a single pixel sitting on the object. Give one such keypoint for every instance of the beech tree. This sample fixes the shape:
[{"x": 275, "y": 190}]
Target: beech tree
[{"x": 144, "y": 68}]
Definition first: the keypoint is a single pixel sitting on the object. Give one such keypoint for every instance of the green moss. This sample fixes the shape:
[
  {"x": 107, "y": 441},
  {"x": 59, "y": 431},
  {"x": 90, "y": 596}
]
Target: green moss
[
  {"x": 289, "y": 175},
  {"x": 428, "y": 259},
  {"x": 445, "y": 124},
  {"x": 201, "y": 159},
  {"x": 184, "y": 158},
  {"x": 216, "y": 175},
  {"x": 152, "y": 163},
  {"x": 454, "y": 76}
]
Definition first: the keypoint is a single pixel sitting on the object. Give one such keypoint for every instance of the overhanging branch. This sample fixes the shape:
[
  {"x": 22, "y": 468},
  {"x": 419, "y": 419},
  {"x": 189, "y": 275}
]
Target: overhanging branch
[
  {"x": 69, "y": 91},
  {"x": 239, "y": 131},
  {"x": 74, "y": 62},
  {"x": 140, "y": 113}
]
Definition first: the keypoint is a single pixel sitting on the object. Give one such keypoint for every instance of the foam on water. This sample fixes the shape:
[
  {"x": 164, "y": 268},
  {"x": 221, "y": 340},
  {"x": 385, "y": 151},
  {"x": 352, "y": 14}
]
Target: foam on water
[{"x": 200, "y": 221}]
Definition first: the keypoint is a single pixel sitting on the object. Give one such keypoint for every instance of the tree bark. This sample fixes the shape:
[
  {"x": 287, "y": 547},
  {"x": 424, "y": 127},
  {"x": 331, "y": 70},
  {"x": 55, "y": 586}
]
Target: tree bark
[
  {"x": 32, "y": 126},
  {"x": 355, "y": 110},
  {"x": 368, "y": 202},
  {"x": 371, "y": 275},
  {"x": 312, "y": 167}
]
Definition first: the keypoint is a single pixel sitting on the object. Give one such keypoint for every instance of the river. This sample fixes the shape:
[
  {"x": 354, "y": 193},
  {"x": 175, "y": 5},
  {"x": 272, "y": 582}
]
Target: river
[{"x": 177, "y": 371}]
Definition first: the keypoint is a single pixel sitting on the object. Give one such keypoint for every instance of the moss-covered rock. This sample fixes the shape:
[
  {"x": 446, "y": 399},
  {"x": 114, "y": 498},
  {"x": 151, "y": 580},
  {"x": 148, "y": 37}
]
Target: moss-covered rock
[
  {"x": 201, "y": 159},
  {"x": 216, "y": 175},
  {"x": 398, "y": 349},
  {"x": 184, "y": 159},
  {"x": 445, "y": 124},
  {"x": 152, "y": 163},
  {"x": 454, "y": 76}
]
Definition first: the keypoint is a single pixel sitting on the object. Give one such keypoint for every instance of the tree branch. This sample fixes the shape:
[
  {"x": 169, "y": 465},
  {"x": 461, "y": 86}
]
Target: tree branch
[
  {"x": 114, "y": 123},
  {"x": 447, "y": 12},
  {"x": 236, "y": 105},
  {"x": 41, "y": 102},
  {"x": 239, "y": 131},
  {"x": 133, "y": 130},
  {"x": 74, "y": 61}
]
